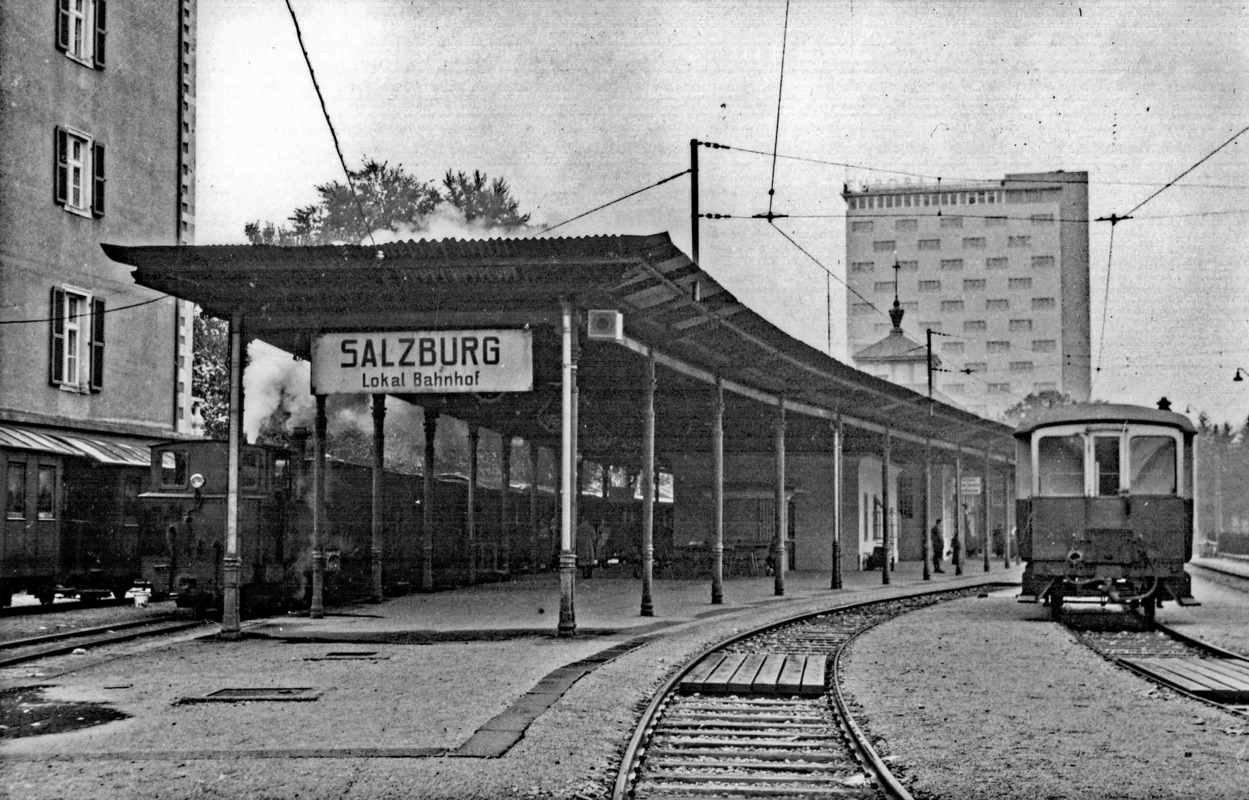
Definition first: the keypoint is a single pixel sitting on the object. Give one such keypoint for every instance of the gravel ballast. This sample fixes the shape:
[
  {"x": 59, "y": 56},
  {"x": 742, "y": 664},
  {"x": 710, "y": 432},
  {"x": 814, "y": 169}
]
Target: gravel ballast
[{"x": 983, "y": 698}]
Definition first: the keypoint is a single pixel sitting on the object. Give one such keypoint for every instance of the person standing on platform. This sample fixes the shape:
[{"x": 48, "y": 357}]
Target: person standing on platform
[
  {"x": 938, "y": 547},
  {"x": 585, "y": 548},
  {"x": 602, "y": 545}
]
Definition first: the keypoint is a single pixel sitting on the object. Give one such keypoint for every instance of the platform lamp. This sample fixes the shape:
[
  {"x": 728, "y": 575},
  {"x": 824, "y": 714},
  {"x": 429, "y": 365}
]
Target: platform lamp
[{"x": 1240, "y": 373}]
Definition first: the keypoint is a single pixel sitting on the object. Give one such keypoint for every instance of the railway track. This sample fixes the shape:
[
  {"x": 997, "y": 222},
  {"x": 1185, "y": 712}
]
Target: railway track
[
  {"x": 1152, "y": 650},
  {"x": 17, "y": 651},
  {"x": 731, "y": 725}
]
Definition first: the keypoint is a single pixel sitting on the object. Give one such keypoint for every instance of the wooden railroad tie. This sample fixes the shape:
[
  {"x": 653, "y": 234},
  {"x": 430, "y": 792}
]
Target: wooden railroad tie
[
  {"x": 802, "y": 675},
  {"x": 1219, "y": 679}
]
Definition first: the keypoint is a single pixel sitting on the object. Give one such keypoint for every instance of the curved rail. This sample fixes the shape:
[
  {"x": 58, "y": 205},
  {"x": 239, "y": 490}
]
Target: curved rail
[
  {"x": 18, "y": 651},
  {"x": 634, "y": 750}
]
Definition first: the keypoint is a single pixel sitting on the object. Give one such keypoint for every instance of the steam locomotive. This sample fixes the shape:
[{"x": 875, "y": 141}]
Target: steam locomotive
[{"x": 1105, "y": 505}]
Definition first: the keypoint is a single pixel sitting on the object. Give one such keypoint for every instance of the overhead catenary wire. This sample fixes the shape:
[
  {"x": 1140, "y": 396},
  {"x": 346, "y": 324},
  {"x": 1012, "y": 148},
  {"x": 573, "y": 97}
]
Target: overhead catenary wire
[
  {"x": 780, "y": 92},
  {"x": 364, "y": 218},
  {"x": 612, "y": 202},
  {"x": 106, "y": 311}
]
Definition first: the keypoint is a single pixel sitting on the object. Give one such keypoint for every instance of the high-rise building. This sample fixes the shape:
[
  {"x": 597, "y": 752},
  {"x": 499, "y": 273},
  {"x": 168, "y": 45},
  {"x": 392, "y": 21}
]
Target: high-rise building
[
  {"x": 97, "y": 144},
  {"x": 999, "y": 270}
]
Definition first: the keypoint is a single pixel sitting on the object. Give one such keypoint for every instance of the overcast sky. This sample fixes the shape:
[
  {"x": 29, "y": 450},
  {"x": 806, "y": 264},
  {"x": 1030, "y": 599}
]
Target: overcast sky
[{"x": 578, "y": 103}]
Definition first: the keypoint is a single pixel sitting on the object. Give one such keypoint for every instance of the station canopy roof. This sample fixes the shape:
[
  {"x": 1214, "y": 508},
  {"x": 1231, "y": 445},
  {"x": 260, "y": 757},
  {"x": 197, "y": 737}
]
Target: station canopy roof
[{"x": 699, "y": 331}]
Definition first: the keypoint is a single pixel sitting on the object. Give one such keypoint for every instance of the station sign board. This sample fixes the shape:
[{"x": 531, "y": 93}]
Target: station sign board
[
  {"x": 430, "y": 362},
  {"x": 970, "y": 485}
]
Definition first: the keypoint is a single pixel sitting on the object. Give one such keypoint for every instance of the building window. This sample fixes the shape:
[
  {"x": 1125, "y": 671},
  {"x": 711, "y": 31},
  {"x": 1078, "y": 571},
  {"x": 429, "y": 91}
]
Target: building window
[
  {"x": 1042, "y": 262},
  {"x": 951, "y": 222},
  {"x": 906, "y": 224},
  {"x": 975, "y": 325},
  {"x": 1042, "y": 219},
  {"x": 997, "y": 347},
  {"x": 862, "y": 266},
  {"x": 1021, "y": 366},
  {"x": 929, "y": 286},
  {"x": 996, "y": 305},
  {"x": 951, "y": 264},
  {"x": 1043, "y": 303},
  {"x": 999, "y": 262},
  {"x": 976, "y": 366},
  {"x": 995, "y": 222},
  {"x": 46, "y": 499},
  {"x": 862, "y": 226},
  {"x": 1019, "y": 241},
  {"x": 1044, "y": 345},
  {"x": 952, "y": 348},
  {"x": 173, "y": 468},
  {"x": 973, "y": 243},
  {"x": 929, "y": 244},
  {"x": 80, "y": 31},
  {"x": 79, "y": 177},
  {"x": 1019, "y": 283},
  {"x": 951, "y": 305},
  {"x": 908, "y": 266},
  {"x": 1044, "y": 386},
  {"x": 883, "y": 286},
  {"x": 973, "y": 285},
  {"x": 999, "y": 388},
  {"x": 1017, "y": 325},
  {"x": 77, "y": 351},
  {"x": 15, "y": 502},
  {"x": 884, "y": 245}
]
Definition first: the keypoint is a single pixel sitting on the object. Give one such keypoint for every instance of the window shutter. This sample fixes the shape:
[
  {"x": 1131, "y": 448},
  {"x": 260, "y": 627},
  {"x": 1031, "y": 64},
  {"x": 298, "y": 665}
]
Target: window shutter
[
  {"x": 62, "y": 25},
  {"x": 97, "y": 193},
  {"x": 97, "y": 345},
  {"x": 99, "y": 34},
  {"x": 60, "y": 166},
  {"x": 56, "y": 370}
]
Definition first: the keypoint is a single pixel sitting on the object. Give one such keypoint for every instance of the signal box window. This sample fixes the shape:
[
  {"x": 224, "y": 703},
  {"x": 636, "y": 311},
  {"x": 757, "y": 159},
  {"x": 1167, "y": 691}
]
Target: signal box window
[
  {"x": 1152, "y": 463},
  {"x": 1106, "y": 464},
  {"x": 1060, "y": 466},
  {"x": 15, "y": 502},
  {"x": 173, "y": 467}
]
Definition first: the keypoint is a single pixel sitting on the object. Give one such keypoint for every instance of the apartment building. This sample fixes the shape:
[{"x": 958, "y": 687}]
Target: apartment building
[
  {"x": 998, "y": 270},
  {"x": 98, "y": 145}
]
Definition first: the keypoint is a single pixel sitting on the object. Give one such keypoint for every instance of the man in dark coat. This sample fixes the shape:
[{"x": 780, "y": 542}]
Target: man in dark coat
[{"x": 938, "y": 547}]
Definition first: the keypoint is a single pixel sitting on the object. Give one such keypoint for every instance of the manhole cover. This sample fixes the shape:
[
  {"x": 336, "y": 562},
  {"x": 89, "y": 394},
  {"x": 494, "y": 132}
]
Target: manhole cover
[
  {"x": 234, "y": 695},
  {"x": 350, "y": 655}
]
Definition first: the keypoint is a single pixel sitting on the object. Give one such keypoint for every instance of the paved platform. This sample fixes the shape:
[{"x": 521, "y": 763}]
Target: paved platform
[{"x": 465, "y": 693}]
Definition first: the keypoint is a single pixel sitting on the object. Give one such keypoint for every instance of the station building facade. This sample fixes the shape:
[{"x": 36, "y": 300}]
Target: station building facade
[
  {"x": 999, "y": 270},
  {"x": 98, "y": 145}
]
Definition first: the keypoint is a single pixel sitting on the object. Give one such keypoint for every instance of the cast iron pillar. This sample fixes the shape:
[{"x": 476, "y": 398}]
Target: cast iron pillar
[
  {"x": 379, "y": 489},
  {"x": 505, "y": 496},
  {"x": 567, "y": 556},
  {"x": 717, "y": 457},
  {"x": 648, "y": 487},
  {"x": 926, "y": 512},
  {"x": 231, "y": 562},
  {"x": 428, "y": 502},
  {"x": 780, "y": 544},
  {"x": 317, "y": 609},
  {"x": 884, "y": 512},
  {"x": 839, "y": 433},
  {"x": 470, "y": 510},
  {"x": 985, "y": 540},
  {"x": 959, "y": 530}
]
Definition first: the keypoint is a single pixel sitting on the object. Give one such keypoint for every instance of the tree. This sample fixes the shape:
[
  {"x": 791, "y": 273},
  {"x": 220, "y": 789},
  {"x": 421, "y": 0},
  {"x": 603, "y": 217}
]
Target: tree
[
  {"x": 391, "y": 200},
  {"x": 1034, "y": 403},
  {"x": 210, "y": 373}
]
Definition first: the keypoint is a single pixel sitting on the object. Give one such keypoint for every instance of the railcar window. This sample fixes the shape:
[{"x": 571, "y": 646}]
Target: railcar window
[
  {"x": 249, "y": 470},
  {"x": 47, "y": 493},
  {"x": 1151, "y": 460},
  {"x": 1106, "y": 464},
  {"x": 15, "y": 505},
  {"x": 173, "y": 468},
  {"x": 1060, "y": 465}
]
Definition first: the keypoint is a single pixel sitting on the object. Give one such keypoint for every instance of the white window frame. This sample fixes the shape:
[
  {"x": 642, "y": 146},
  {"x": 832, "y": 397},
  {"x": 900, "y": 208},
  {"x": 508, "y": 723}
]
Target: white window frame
[
  {"x": 83, "y": 177},
  {"x": 81, "y": 30},
  {"x": 75, "y": 357},
  {"x": 1124, "y": 433}
]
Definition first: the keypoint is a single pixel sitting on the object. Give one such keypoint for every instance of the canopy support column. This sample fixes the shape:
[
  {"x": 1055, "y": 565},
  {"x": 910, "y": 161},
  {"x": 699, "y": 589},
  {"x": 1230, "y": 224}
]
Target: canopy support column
[
  {"x": 317, "y": 609},
  {"x": 884, "y": 511},
  {"x": 470, "y": 509},
  {"x": 428, "y": 502},
  {"x": 648, "y": 488},
  {"x": 231, "y": 562},
  {"x": 985, "y": 541},
  {"x": 567, "y": 556},
  {"x": 717, "y": 457},
  {"x": 780, "y": 538},
  {"x": 505, "y": 497},
  {"x": 379, "y": 489},
  {"x": 926, "y": 515},
  {"x": 959, "y": 532},
  {"x": 839, "y": 433},
  {"x": 535, "y": 557}
]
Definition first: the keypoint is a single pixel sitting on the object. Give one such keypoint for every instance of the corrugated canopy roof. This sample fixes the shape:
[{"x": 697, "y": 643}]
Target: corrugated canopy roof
[{"x": 288, "y": 295}]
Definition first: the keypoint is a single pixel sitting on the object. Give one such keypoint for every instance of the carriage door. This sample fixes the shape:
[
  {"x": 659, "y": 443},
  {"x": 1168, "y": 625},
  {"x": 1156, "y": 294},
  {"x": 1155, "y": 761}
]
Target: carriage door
[{"x": 1106, "y": 462}]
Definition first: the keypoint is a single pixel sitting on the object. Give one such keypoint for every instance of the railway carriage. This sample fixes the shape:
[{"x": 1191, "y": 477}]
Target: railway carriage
[{"x": 1105, "y": 505}]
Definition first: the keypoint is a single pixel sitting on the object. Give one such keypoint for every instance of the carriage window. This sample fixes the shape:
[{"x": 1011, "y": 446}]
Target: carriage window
[
  {"x": 249, "y": 470},
  {"x": 173, "y": 468},
  {"x": 1152, "y": 463},
  {"x": 47, "y": 493},
  {"x": 1106, "y": 464},
  {"x": 15, "y": 505},
  {"x": 1060, "y": 465}
]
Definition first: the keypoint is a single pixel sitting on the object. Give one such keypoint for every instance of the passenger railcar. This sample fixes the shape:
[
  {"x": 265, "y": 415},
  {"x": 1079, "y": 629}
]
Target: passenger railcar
[
  {"x": 1105, "y": 505},
  {"x": 187, "y": 503}
]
